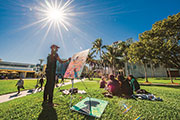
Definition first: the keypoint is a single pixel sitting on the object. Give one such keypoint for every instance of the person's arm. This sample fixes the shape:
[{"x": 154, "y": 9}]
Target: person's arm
[{"x": 61, "y": 61}]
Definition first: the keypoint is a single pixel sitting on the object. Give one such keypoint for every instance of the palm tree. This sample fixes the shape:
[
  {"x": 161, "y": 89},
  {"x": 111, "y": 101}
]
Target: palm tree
[
  {"x": 105, "y": 62},
  {"x": 92, "y": 63},
  {"x": 97, "y": 46},
  {"x": 90, "y": 59},
  {"x": 41, "y": 61},
  {"x": 111, "y": 56}
]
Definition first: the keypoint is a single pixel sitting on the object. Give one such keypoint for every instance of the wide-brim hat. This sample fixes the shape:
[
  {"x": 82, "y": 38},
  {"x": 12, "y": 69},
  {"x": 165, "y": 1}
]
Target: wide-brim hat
[{"x": 54, "y": 46}]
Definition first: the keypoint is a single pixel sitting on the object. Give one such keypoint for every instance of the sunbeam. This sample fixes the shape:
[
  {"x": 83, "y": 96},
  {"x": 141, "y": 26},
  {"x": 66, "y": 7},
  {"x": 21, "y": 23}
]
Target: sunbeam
[{"x": 56, "y": 14}]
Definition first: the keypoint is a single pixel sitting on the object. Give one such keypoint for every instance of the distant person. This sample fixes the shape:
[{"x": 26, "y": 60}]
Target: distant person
[
  {"x": 75, "y": 73},
  {"x": 113, "y": 86},
  {"x": 62, "y": 79},
  {"x": 125, "y": 87},
  {"x": 51, "y": 74},
  {"x": 57, "y": 80},
  {"x": 36, "y": 86},
  {"x": 20, "y": 84},
  {"x": 133, "y": 83},
  {"x": 41, "y": 82},
  {"x": 103, "y": 82}
]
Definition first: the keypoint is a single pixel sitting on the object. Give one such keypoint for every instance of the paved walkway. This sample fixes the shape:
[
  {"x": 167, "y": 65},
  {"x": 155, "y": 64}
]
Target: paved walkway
[{"x": 11, "y": 96}]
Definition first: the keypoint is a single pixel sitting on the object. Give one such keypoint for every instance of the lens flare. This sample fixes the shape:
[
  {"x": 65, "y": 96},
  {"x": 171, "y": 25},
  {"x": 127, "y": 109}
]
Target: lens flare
[{"x": 55, "y": 14}]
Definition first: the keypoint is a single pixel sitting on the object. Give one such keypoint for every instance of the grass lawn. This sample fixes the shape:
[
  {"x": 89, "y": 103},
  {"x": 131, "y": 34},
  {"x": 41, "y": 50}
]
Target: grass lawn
[
  {"x": 159, "y": 80},
  {"x": 29, "y": 107},
  {"x": 8, "y": 86}
]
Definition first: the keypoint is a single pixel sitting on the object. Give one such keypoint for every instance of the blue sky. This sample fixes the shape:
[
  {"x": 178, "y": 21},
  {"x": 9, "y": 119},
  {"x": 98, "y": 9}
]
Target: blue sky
[{"x": 111, "y": 20}]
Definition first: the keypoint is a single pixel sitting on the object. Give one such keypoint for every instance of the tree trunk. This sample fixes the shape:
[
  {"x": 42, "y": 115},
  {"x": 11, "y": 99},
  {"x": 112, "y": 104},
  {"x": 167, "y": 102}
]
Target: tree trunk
[
  {"x": 170, "y": 75},
  {"x": 126, "y": 68},
  {"x": 105, "y": 69},
  {"x": 113, "y": 69},
  {"x": 145, "y": 70},
  {"x": 132, "y": 72},
  {"x": 108, "y": 69},
  {"x": 152, "y": 70}
]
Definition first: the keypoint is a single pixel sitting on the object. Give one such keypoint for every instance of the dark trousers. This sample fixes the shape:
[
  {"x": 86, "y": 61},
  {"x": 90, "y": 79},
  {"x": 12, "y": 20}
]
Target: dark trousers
[
  {"x": 48, "y": 93},
  {"x": 19, "y": 88},
  {"x": 49, "y": 88}
]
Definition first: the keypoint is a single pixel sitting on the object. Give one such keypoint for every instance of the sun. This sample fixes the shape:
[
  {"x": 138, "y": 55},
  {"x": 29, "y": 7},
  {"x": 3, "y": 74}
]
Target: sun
[{"x": 55, "y": 14}]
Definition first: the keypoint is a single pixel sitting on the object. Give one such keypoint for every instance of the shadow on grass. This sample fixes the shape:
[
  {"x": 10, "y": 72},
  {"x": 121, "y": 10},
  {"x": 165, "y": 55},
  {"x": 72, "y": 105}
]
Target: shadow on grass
[
  {"x": 162, "y": 78},
  {"x": 47, "y": 113},
  {"x": 175, "y": 87}
]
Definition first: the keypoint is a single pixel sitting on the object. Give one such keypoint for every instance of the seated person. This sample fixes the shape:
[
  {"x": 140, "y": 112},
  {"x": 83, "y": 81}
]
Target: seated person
[
  {"x": 125, "y": 87},
  {"x": 103, "y": 82},
  {"x": 133, "y": 83},
  {"x": 113, "y": 86}
]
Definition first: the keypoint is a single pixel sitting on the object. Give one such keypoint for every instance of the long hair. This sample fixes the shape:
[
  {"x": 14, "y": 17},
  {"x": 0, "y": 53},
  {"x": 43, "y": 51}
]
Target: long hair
[{"x": 132, "y": 77}]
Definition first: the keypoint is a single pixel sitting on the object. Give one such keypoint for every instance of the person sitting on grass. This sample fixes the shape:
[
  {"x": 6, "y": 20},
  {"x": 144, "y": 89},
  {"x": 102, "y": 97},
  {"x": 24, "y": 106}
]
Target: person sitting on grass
[
  {"x": 103, "y": 82},
  {"x": 133, "y": 83},
  {"x": 113, "y": 86},
  {"x": 20, "y": 84},
  {"x": 125, "y": 87}
]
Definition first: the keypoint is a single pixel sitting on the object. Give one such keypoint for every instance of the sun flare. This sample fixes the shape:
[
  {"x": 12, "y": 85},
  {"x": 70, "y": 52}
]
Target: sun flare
[{"x": 55, "y": 14}]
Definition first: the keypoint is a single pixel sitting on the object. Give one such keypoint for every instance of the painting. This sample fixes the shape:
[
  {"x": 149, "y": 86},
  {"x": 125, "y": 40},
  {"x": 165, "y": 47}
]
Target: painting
[{"x": 76, "y": 65}]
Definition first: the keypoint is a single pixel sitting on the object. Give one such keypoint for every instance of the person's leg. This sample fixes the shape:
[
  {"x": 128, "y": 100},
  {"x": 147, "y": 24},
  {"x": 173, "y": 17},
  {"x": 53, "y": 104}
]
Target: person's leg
[
  {"x": 45, "y": 94},
  {"x": 41, "y": 86},
  {"x": 18, "y": 89},
  {"x": 51, "y": 96}
]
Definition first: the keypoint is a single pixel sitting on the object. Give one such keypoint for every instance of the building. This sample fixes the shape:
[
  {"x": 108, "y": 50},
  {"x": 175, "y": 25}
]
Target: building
[
  {"x": 15, "y": 70},
  {"x": 137, "y": 70}
]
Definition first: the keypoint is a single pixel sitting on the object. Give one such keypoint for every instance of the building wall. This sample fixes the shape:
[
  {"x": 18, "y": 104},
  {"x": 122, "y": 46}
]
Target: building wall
[
  {"x": 137, "y": 70},
  {"x": 11, "y": 69}
]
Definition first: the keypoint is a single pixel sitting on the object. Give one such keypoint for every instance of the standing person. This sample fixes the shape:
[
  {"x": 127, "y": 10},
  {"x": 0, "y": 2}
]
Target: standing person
[
  {"x": 57, "y": 80},
  {"x": 62, "y": 79},
  {"x": 51, "y": 74},
  {"x": 41, "y": 82},
  {"x": 20, "y": 84}
]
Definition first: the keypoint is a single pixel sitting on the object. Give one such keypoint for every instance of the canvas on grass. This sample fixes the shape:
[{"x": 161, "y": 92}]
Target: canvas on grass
[{"x": 90, "y": 106}]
